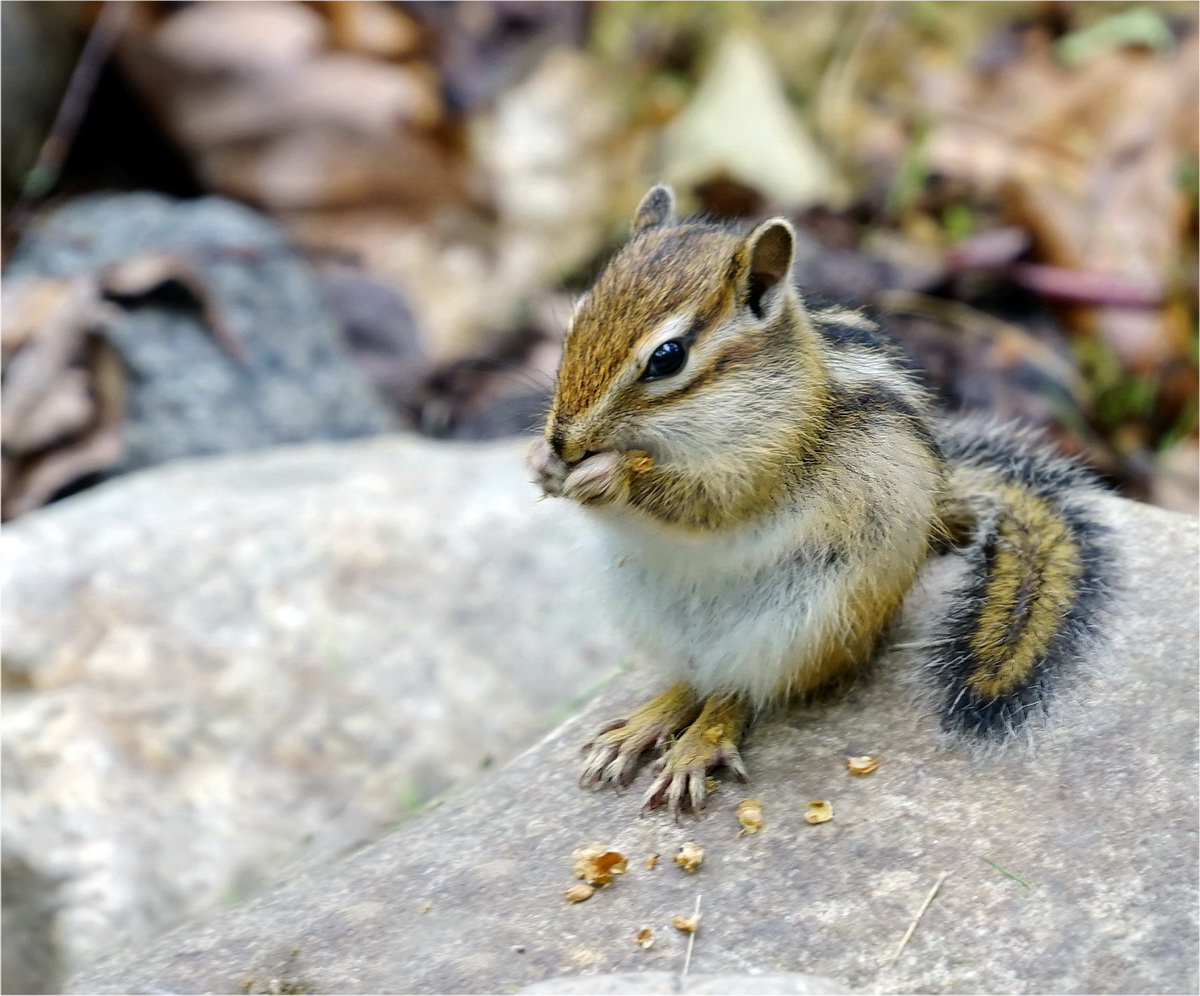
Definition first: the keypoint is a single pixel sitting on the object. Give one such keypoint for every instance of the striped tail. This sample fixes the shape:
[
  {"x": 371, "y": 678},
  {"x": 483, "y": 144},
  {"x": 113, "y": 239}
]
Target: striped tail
[{"x": 1039, "y": 581}]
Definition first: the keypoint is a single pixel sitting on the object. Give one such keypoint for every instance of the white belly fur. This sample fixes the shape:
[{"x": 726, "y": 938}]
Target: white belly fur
[{"x": 743, "y": 611}]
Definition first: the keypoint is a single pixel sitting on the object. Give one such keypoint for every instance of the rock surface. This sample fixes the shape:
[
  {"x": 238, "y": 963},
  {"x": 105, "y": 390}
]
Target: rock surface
[
  {"x": 668, "y": 983},
  {"x": 218, "y": 667},
  {"x": 1068, "y": 869}
]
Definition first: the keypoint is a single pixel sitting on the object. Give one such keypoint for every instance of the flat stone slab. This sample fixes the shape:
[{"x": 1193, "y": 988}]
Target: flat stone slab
[{"x": 1071, "y": 868}]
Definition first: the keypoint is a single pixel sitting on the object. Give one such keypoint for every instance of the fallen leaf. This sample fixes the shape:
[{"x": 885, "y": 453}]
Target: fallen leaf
[{"x": 739, "y": 124}]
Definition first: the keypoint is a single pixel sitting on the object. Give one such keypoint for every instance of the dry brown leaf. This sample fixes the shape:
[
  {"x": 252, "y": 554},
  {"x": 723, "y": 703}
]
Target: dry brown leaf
[
  {"x": 64, "y": 386},
  {"x": 579, "y": 893},
  {"x": 239, "y": 39},
  {"x": 750, "y": 816},
  {"x": 818, "y": 812},
  {"x": 374, "y": 27},
  {"x": 862, "y": 765},
  {"x": 597, "y": 865},
  {"x": 687, "y": 924},
  {"x": 690, "y": 857},
  {"x": 645, "y": 938}
]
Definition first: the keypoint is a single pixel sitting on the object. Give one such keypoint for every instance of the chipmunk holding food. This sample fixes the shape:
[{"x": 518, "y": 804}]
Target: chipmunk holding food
[{"x": 771, "y": 477}]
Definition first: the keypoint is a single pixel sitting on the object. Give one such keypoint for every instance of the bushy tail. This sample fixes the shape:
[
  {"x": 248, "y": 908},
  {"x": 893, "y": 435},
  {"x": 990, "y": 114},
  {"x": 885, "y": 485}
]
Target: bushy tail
[{"x": 1039, "y": 580}]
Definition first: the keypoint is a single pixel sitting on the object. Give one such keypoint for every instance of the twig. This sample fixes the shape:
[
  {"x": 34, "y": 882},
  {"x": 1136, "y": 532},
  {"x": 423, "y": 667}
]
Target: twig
[
  {"x": 687, "y": 960},
  {"x": 917, "y": 919},
  {"x": 101, "y": 40}
]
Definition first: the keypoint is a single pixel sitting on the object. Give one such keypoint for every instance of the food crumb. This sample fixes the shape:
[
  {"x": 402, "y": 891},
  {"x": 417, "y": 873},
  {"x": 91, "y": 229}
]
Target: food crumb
[
  {"x": 750, "y": 816},
  {"x": 690, "y": 857},
  {"x": 818, "y": 811},
  {"x": 687, "y": 924},
  {"x": 597, "y": 865}
]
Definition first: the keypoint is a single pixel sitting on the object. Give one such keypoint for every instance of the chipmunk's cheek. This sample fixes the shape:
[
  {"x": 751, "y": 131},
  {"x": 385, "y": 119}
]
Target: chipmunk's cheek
[
  {"x": 548, "y": 470},
  {"x": 598, "y": 480}
]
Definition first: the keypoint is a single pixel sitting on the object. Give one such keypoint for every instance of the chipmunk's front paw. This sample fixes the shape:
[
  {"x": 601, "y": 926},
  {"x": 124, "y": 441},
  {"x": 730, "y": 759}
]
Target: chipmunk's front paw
[
  {"x": 709, "y": 743},
  {"x": 615, "y": 749},
  {"x": 598, "y": 480},
  {"x": 548, "y": 469}
]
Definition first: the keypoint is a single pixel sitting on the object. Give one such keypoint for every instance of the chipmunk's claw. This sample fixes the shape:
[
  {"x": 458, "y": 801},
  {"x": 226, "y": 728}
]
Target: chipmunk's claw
[
  {"x": 616, "y": 748},
  {"x": 681, "y": 773},
  {"x": 612, "y": 756}
]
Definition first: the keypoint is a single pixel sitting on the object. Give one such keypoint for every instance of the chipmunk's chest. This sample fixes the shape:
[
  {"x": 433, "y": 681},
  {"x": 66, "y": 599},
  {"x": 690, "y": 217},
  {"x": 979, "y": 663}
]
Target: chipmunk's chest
[{"x": 726, "y": 613}]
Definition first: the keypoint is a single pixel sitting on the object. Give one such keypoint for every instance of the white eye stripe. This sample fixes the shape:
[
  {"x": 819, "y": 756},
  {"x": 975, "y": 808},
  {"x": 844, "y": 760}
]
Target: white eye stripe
[{"x": 672, "y": 328}]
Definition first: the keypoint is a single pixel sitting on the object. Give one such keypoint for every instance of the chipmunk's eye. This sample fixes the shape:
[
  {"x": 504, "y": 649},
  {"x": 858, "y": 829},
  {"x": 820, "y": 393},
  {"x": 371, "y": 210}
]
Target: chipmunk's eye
[{"x": 667, "y": 359}]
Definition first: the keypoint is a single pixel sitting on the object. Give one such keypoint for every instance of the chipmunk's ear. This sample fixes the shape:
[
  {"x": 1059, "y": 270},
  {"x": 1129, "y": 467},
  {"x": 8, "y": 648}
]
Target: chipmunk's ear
[
  {"x": 657, "y": 209},
  {"x": 770, "y": 249}
]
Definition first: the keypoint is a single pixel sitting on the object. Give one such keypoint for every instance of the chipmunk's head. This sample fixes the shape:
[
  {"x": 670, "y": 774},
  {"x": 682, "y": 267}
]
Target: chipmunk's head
[{"x": 685, "y": 344}]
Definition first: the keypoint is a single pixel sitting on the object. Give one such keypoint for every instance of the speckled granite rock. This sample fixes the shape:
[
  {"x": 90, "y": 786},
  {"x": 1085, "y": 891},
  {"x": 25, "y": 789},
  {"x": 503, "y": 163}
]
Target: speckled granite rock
[
  {"x": 1100, "y": 826},
  {"x": 221, "y": 666}
]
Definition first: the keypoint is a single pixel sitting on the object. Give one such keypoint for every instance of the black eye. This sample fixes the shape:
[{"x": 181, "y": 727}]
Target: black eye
[{"x": 667, "y": 359}]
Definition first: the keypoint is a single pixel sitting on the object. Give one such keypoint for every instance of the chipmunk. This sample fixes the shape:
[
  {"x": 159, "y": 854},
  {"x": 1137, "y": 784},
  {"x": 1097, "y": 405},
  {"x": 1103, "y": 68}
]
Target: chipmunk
[{"x": 771, "y": 477}]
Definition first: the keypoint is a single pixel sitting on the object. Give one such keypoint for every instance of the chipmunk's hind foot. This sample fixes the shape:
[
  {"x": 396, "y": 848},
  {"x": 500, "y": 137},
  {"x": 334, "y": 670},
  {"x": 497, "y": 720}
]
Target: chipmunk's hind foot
[
  {"x": 709, "y": 743},
  {"x": 615, "y": 750}
]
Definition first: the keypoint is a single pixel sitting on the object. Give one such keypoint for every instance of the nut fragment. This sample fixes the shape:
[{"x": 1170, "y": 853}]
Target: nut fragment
[
  {"x": 862, "y": 765},
  {"x": 597, "y": 865},
  {"x": 687, "y": 924},
  {"x": 640, "y": 462},
  {"x": 578, "y": 893},
  {"x": 690, "y": 857},
  {"x": 645, "y": 938},
  {"x": 818, "y": 812},
  {"x": 652, "y": 861},
  {"x": 750, "y": 816}
]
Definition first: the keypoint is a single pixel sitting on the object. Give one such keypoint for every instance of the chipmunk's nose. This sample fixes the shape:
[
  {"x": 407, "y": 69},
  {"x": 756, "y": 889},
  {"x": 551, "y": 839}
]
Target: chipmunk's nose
[
  {"x": 567, "y": 449},
  {"x": 572, "y": 442}
]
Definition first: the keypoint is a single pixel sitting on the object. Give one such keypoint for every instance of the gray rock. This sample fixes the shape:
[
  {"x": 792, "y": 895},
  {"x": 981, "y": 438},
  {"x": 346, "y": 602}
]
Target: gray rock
[
  {"x": 187, "y": 393},
  {"x": 1071, "y": 868},
  {"x": 218, "y": 667}
]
